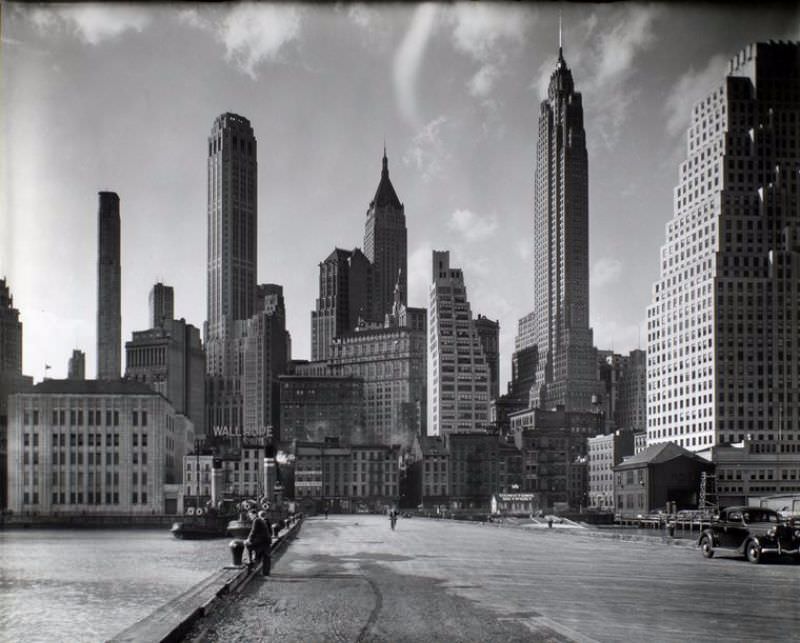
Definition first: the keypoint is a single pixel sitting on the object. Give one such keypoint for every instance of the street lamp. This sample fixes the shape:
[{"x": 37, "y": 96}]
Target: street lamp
[{"x": 198, "y": 443}]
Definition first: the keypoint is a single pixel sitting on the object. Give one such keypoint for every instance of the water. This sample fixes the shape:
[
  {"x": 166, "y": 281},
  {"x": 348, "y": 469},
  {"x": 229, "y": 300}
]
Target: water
[{"x": 82, "y": 585}]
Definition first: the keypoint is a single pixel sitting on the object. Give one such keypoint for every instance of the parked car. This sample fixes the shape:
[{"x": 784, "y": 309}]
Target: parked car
[{"x": 752, "y": 532}]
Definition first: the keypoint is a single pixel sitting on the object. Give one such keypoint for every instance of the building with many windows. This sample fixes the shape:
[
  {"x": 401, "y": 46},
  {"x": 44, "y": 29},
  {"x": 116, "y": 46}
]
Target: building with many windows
[
  {"x": 11, "y": 378},
  {"x": 723, "y": 354},
  {"x": 553, "y": 446},
  {"x": 231, "y": 264},
  {"x": 458, "y": 376},
  {"x": 170, "y": 359},
  {"x": 328, "y": 474},
  {"x": 316, "y": 407},
  {"x": 93, "y": 447},
  {"x": 566, "y": 372},
  {"x": 344, "y": 299},
  {"x": 604, "y": 453}
]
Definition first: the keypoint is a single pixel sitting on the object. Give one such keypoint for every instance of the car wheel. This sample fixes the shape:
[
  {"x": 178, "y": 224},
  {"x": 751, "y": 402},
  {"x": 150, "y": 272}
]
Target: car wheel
[
  {"x": 753, "y": 552},
  {"x": 706, "y": 547}
]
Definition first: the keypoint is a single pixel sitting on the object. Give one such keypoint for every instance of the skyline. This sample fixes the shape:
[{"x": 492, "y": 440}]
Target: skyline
[{"x": 462, "y": 153}]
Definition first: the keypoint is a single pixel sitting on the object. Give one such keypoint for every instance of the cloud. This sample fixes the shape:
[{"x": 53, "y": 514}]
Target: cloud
[
  {"x": 252, "y": 33},
  {"x": 524, "y": 249},
  {"x": 480, "y": 29},
  {"x": 619, "y": 47},
  {"x": 472, "y": 226},
  {"x": 482, "y": 83},
  {"x": 362, "y": 15},
  {"x": 93, "y": 24},
  {"x": 427, "y": 152},
  {"x": 484, "y": 32},
  {"x": 693, "y": 86},
  {"x": 606, "y": 270},
  {"x": 408, "y": 59}
]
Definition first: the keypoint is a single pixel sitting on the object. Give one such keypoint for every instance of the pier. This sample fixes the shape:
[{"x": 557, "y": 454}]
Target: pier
[{"x": 351, "y": 578}]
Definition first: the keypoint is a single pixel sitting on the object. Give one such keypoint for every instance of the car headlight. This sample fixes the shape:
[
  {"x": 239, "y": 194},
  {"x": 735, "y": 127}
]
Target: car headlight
[
  {"x": 797, "y": 534},
  {"x": 772, "y": 531}
]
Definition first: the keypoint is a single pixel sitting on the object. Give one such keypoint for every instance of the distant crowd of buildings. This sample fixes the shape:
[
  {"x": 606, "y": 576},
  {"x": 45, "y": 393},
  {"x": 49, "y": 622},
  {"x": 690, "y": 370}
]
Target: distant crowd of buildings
[{"x": 402, "y": 406}]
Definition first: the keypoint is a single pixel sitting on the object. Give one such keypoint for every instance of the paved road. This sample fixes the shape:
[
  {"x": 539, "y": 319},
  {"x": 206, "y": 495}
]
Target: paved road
[{"x": 350, "y": 578}]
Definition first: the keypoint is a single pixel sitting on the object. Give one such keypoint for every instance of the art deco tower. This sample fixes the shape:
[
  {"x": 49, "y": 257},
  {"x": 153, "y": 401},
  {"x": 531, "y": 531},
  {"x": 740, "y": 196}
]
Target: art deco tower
[
  {"x": 723, "y": 356},
  {"x": 566, "y": 371},
  {"x": 385, "y": 245},
  {"x": 232, "y": 229},
  {"x": 109, "y": 322},
  {"x": 232, "y": 262}
]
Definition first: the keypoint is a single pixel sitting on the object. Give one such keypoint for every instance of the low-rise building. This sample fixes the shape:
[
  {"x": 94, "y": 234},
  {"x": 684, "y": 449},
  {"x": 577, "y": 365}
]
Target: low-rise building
[
  {"x": 605, "y": 452},
  {"x": 474, "y": 469},
  {"x": 429, "y": 474},
  {"x": 340, "y": 477},
  {"x": 553, "y": 446},
  {"x": 93, "y": 447},
  {"x": 752, "y": 469},
  {"x": 664, "y": 476},
  {"x": 313, "y": 408}
]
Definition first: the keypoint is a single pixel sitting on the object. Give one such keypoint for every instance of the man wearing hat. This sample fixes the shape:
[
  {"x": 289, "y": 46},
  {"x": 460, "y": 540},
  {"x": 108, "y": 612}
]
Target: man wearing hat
[{"x": 259, "y": 540}]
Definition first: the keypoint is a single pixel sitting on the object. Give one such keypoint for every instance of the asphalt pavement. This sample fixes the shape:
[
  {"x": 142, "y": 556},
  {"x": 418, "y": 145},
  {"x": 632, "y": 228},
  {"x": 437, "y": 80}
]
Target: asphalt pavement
[{"x": 351, "y": 578}]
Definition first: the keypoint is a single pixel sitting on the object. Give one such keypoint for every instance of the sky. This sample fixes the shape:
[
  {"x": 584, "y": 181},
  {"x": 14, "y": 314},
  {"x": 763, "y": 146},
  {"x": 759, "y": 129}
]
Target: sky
[{"x": 122, "y": 98}]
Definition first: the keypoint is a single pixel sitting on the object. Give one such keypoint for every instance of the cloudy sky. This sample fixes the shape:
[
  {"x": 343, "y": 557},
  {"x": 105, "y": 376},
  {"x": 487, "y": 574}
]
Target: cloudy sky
[{"x": 123, "y": 98}]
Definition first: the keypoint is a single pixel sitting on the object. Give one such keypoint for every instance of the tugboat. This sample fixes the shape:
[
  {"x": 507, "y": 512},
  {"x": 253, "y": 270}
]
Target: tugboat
[{"x": 200, "y": 524}]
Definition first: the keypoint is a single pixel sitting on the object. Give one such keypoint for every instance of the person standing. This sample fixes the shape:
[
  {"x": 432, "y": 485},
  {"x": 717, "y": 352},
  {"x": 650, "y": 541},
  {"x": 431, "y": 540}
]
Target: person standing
[{"x": 259, "y": 541}]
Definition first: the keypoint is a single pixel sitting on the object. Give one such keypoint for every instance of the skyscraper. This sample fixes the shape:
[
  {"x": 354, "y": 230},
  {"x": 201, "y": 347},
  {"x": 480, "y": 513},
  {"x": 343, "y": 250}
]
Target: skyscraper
[
  {"x": 109, "y": 321},
  {"x": 566, "y": 371},
  {"x": 385, "y": 245},
  {"x": 723, "y": 357},
  {"x": 232, "y": 263},
  {"x": 232, "y": 224},
  {"x": 162, "y": 304},
  {"x": 76, "y": 368},
  {"x": 344, "y": 280},
  {"x": 458, "y": 376},
  {"x": 10, "y": 333}
]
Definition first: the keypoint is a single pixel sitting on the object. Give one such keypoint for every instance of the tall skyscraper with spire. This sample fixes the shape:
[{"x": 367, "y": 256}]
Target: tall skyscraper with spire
[
  {"x": 232, "y": 263},
  {"x": 385, "y": 245},
  {"x": 566, "y": 372},
  {"x": 109, "y": 317}
]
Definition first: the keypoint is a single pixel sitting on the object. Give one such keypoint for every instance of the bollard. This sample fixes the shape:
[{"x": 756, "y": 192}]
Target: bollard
[
  {"x": 237, "y": 550},
  {"x": 550, "y": 523}
]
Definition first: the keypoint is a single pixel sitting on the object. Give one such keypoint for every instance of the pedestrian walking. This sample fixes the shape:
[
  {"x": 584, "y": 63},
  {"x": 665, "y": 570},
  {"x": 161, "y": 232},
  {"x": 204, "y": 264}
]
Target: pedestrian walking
[
  {"x": 259, "y": 541},
  {"x": 393, "y": 518}
]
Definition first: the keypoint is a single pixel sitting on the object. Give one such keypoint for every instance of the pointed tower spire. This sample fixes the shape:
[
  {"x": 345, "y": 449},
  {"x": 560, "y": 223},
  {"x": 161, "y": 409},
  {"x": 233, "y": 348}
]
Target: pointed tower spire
[
  {"x": 560, "y": 40},
  {"x": 385, "y": 194}
]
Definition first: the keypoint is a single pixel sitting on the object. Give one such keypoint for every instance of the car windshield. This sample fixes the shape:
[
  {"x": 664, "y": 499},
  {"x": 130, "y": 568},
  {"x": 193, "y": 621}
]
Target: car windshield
[{"x": 760, "y": 516}]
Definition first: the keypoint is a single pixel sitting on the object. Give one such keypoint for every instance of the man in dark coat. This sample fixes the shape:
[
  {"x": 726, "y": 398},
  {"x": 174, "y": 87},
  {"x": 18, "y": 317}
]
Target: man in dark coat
[{"x": 259, "y": 540}]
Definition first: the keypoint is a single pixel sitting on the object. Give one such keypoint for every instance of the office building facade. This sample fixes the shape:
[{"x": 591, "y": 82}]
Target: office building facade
[
  {"x": 566, "y": 370},
  {"x": 458, "y": 376},
  {"x": 723, "y": 326},
  {"x": 93, "y": 447},
  {"x": 232, "y": 264}
]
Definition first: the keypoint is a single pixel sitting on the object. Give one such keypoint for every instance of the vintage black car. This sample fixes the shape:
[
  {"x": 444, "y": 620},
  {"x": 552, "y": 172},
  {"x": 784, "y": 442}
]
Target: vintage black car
[{"x": 753, "y": 532}]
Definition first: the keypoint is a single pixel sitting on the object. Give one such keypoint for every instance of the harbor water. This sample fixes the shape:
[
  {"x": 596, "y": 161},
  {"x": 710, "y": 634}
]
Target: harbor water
[{"x": 88, "y": 585}]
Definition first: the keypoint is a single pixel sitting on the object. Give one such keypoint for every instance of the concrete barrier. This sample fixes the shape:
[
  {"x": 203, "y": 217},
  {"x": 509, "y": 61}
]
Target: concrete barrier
[{"x": 172, "y": 622}]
